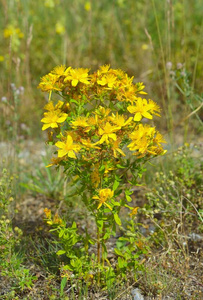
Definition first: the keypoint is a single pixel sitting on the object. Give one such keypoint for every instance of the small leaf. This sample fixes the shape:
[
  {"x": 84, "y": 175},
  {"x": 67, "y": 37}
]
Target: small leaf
[
  {"x": 60, "y": 252},
  {"x": 106, "y": 236},
  {"x": 120, "y": 167},
  {"x": 128, "y": 198},
  {"x": 115, "y": 185},
  {"x": 117, "y": 219},
  {"x": 74, "y": 101},
  {"x": 118, "y": 252},
  {"x": 100, "y": 223},
  {"x": 63, "y": 284},
  {"x": 61, "y": 233}
]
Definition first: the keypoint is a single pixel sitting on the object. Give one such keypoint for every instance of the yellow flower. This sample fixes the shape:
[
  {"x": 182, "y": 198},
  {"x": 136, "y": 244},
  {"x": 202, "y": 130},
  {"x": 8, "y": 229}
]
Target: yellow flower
[
  {"x": 104, "y": 112},
  {"x": 95, "y": 178},
  {"x": 87, "y": 144},
  {"x": 78, "y": 75},
  {"x": 127, "y": 94},
  {"x": 10, "y": 30},
  {"x": 146, "y": 139},
  {"x": 108, "y": 167},
  {"x": 159, "y": 139},
  {"x": 134, "y": 211},
  {"x": 57, "y": 220},
  {"x": 47, "y": 213},
  {"x": 50, "y": 82},
  {"x": 108, "y": 80},
  {"x": 93, "y": 120},
  {"x": 115, "y": 148},
  {"x": 103, "y": 69},
  {"x": 60, "y": 29},
  {"x": 140, "y": 109},
  {"x": 145, "y": 47},
  {"x": 154, "y": 108},
  {"x": 120, "y": 74},
  {"x": 52, "y": 118},
  {"x": 59, "y": 70},
  {"x": 141, "y": 138},
  {"x": 87, "y": 6},
  {"x": 50, "y": 106},
  {"x": 104, "y": 195},
  {"x": 140, "y": 87},
  {"x": 140, "y": 145},
  {"x": 55, "y": 161},
  {"x": 81, "y": 122},
  {"x": 108, "y": 133},
  {"x": 119, "y": 120},
  {"x": 67, "y": 148},
  {"x": 156, "y": 148},
  {"x": 142, "y": 131}
]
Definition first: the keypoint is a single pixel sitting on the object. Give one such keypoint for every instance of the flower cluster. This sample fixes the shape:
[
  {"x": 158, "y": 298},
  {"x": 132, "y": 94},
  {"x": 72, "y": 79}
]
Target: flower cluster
[{"x": 99, "y": 121}]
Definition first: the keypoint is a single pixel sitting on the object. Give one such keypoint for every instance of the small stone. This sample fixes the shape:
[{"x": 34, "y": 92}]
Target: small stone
[
  {"x": 195, "y": 237},
  {"x": 136, "y": 293}
]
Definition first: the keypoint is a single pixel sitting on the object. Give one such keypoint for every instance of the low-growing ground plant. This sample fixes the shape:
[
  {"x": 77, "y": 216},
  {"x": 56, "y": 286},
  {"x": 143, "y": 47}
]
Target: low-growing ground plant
[
  {"x": 175, "y": 202},
  {"x": 14, "y": 275},
  {"x": 102, "y": 146}
]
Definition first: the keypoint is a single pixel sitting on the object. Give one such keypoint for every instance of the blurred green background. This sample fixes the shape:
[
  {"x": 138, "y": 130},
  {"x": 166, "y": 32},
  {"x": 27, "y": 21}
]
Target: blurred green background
[{"x": 158, "y": 42}]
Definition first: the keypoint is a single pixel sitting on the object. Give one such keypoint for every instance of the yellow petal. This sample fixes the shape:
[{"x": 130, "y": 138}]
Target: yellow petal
[
  {"x": 100, "y": 204},
  {"x": 45, "y": 126},
  {"x": 60, "y": 144},
  {"x": 62, "y": 152},
  {"x": 71, "y": 154},
  {"x": 113, "y": 136},
  {"x": 147, "y": 115},
  {"x": 137, "y": 116},
  {"x": 131, "y": 109},
  {"x": 62, "y": 118},
  {"x": 74, "y": 82},
  {"x": 120, "y": 151},
  {"x": 108, "y": 205},
  {"x": 54, "y": 125}
]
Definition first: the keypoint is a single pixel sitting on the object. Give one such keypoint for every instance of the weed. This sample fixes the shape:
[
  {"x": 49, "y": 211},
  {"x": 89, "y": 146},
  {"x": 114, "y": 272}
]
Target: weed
[{"x": 12, "y": 270}]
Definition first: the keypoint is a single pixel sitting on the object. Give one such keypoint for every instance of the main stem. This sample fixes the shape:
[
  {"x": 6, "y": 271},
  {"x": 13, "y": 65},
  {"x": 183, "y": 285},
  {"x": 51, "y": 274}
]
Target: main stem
[
  {"x": 98, "y": 254},
  {"x": 98, "y": 246},
  {"x": 103, "y": 232}
]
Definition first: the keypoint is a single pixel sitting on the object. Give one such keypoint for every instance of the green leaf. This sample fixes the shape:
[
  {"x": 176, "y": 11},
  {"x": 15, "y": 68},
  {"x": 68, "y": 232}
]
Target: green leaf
[
  {"x": 122, "y": 263},
  {"x": 63, "y": 284},
  {"x": 106, "y": 236},
  {"x": 61, "y": 233},
  {"x": 74, "y": 225},
  {"x": 128, "y": 198},
  {"x": 128, "y": 192},
  {"x": 99, "y": 223},
  {"x": 118, "y": 252},
  {"x": 74, "y": 101},
  {"x": 60, "y": 252},
  {"x": 117, "y": 219},
  {"x": 120, "y": 167},
  {"x": 115, "y": 203},
  {"x": 115, "y": 185}
]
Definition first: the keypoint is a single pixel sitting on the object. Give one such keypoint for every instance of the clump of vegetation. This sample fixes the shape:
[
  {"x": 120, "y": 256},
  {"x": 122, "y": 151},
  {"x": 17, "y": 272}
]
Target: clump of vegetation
[
  {"x": 101, "y": 140},
  {"x": 174, "y": 204},
  {"x": 15, "y": 276}
]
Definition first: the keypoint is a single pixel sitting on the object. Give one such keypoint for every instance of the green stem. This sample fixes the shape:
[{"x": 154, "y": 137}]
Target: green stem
[
  {"x": 98, "y": 254},
  {"x": 103, "y": 233}
]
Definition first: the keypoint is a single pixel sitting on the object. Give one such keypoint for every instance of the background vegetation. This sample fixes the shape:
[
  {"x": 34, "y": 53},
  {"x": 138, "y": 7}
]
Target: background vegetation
[{"x": 157, "y": 42}]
